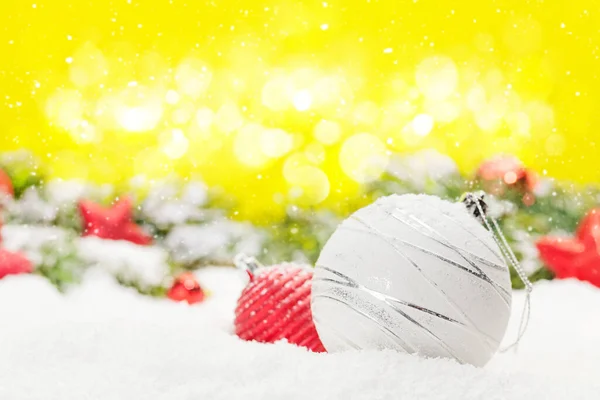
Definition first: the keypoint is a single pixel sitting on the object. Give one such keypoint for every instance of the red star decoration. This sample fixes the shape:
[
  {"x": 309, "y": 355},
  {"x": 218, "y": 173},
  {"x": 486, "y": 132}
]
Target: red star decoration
[
  {"x": 186, "y": 288},
  {"x": 113, "y": 223},
  {"x": 13, "y": 263},
  {"x": 6, "y": 185},
  {"x": 578, "y": 257}
]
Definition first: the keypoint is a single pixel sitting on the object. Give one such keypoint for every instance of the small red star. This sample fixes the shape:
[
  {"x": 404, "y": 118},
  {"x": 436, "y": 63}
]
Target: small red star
[
  {"x": 186, "y": 288},
  {"x": 13, "y": 263},
  {"x": 113, "y": 223},
  {"x": 578, "y": 257}
]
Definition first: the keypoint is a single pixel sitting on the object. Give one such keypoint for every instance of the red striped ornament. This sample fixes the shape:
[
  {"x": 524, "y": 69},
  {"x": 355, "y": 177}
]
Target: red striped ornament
[{"x": 276, "y": 305}]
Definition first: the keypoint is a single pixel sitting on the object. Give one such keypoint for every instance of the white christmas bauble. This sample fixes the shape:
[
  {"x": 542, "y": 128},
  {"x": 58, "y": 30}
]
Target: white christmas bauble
[{"x": 413, "y": 273}]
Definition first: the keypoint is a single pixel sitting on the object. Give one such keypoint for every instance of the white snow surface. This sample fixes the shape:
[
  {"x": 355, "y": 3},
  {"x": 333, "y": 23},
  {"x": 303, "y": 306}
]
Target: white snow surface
[{"x": 106, "y": 342}]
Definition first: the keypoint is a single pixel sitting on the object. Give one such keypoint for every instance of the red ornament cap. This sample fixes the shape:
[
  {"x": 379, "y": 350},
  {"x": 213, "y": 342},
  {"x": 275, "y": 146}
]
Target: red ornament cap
[
  {"x": 276, "y": 305},
  {"x": 186, "y": 288}
]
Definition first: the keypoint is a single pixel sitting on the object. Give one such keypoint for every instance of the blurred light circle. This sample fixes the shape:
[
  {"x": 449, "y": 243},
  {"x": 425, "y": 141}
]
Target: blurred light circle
[
  {"x": 488, "y": 119},
  {"x": 193, "y": 77},
  {"x": 443, "y": 111},
  {"x": 275, "y": 142},
  {"x": 493, "y": 81},
  {"x": 83, "y": 132},
  {"x": 366, "y": 113},
  {"x": 138, "y": 119},
  {"x": 204, "y": 118},
  {"x": 292, "y": 163},
  {"x": 327, "y": 132},
  {"x": 275, "y": 94},
  {"x": 397, "y": 114},
  {"x": 519, "y": 123},
  {"x": 476, "y": 98},
  {"x": 88, "y": 66},
  {"x": 64, "y": 107},
  {"x": 541, "y": 115},
  {"x": 315, "y": 152},
  {"x": 326, "y": 91},
  {"x": 363, "y": 157},
  {"x": 302, "y": 100},
  {"x": 174, "y": 143},
  {"x": 510, "y": 177},
  {"x": 399, "y": 85},
  {"x": 172, "y": 97},
  {"x": 247, "y": 146},
  {"x": 228, "y": 118},
  {"x": 150, "y": 162},
  {"x": 309, "y": 186},
  {"x": 332, "y": 95},
  {"x": 422, "y": 124},
  {"x": 183, "y": 113},
  {"x": 437, "y": 77},
  {"x": 136, "y": 108}
]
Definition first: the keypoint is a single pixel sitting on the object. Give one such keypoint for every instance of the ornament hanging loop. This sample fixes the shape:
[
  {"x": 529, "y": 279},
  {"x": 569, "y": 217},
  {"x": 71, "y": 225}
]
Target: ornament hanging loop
[
  {"x": 247, "y": 263},
  {"x": 476, "y": 205}
]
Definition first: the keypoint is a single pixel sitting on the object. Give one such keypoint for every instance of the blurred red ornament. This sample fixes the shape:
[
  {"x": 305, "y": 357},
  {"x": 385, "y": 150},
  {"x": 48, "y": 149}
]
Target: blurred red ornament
[
  {"x": 276, "y": 305},
  {"x": 501, "y": 172},
  {"x": 13, "y": 263},
  {"x": 577, "y": 257},
  {"x": 509, "y": 171},
  {"x": 6, "y": 185},
  {"x": 112, "y": 223},
  {"x": 186, "y": 288}
]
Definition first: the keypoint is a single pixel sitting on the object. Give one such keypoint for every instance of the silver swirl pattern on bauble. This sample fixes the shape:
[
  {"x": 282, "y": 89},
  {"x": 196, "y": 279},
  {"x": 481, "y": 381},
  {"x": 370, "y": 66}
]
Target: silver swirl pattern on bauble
[{"x": 414, "y": 274}]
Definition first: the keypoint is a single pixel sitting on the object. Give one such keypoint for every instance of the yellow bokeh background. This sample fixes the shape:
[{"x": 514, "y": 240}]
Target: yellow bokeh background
[{"x": 283, "y": 102}]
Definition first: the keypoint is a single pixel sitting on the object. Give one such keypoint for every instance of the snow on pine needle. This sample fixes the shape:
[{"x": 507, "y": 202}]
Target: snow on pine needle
[
  {"x": 64, "y": 257},
  {"x": 218, "y": 241},
  {"x": 168, "y": 205},
  {"x": 142, "y": 266}
]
